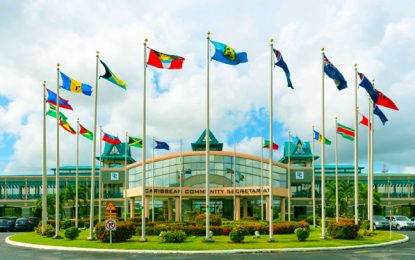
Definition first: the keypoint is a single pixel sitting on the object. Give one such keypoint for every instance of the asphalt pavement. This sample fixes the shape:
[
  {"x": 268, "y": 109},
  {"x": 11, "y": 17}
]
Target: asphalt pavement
[{"x": 400, "y": 251}]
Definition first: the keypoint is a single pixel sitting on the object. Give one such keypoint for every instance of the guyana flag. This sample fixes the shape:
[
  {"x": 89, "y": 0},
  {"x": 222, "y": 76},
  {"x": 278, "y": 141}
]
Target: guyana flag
[
  {"x": 345, "y": 131},
  {"x": 134, "y": 141},
  {"x": 86, "y": 133}
]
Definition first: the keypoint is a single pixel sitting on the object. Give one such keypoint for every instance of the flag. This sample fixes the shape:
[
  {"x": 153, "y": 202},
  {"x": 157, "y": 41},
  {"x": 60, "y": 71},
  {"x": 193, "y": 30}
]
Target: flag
[
  {"x": 65, "y": 125},
  {"x": 333, "y": 73},
  {"x": 365, "y": 121},
  {"x": 134, "y": 141},
  {"x": 239, "y": 177},
  {"x": 52, "y": 112},
  {"x": 380, "y": 114},
  {"x": 281, "y": 63},
  {"x": 366, "y": 84},
  {"x": 188, "y": 171},
  {"x": 111, "y": 139},
  {"x": 75, "y": 86},
  {"x": 164, "y": 61},
  {"x": 227, "y": 55},
  {"x": 161, "y": 145},
  {"x": 385, "y": 101},
  {"x": 345, "y": 131},
  {"x": 52, "y": 98},
  {"x": 86, "y": 133},
  {"x": 298, "y": 140},
  {"x": 108, "y": 75},
  {"x": 230, "y": 171},
  {"x": 267, "y": 145},
  {"x": 319, "y": 137}
]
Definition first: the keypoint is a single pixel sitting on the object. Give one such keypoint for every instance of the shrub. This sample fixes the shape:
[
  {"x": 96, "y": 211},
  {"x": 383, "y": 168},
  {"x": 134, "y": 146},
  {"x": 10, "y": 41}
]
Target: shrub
[
  {"x": 173, "y": 236},
  {"x": 72, "y": 233},
  {"x": 302, "y": 233},
  {"x": 49, "y": 231},
  {"x": 66, "y": 224},
  {"x": 123, "y": 232},
  {"x": 215, "y": 220},
  {"x": 309, "y": 220},
  {"x": 237, "y": 235},
  {"x": 343, "y": 230},
  {"x": 249, "y": 219},
  {"x": 364, "y": 224}
]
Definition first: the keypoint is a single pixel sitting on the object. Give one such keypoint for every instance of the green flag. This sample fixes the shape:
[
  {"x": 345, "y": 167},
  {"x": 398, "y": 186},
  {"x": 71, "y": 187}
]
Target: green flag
[
  {"x": 134, "y": 141},
  {"x": 52, "y": 112}
]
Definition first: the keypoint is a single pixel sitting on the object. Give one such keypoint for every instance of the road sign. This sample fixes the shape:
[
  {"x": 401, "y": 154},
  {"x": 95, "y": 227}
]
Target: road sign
[
  {"x": 110, "y": 206},
  {"x": 110, "y": 225}
]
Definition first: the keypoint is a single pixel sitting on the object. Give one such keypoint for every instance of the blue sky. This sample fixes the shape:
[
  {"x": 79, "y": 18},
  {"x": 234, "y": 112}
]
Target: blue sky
[{"x": 37, "y": 34}]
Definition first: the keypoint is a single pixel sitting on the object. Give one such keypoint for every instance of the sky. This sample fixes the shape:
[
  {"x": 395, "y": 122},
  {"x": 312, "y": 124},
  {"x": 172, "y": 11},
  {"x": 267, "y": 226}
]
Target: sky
[{"x": 376, "y": 35}]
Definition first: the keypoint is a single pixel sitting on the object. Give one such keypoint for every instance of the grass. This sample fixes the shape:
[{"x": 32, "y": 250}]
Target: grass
[{"x": 220, "y": 242}]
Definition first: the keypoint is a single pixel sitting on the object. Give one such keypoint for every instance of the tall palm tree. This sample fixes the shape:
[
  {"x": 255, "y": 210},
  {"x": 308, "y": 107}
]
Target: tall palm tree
[{"x": 69, "y": 195}]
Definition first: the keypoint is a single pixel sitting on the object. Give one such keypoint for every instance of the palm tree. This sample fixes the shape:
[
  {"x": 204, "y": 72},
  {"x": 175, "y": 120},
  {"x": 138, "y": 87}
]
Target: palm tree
[
  {"x": 69, "y": 195},
  {"x": 50, "y": 201}
]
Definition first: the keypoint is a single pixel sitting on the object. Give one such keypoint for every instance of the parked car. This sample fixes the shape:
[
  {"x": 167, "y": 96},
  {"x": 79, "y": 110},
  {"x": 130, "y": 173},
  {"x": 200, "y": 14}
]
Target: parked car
[
  {"x": 26, "y": 224},
  {"x": 7, "y": 223},
  {"x": 401, "y": 222},
  {"x": 380, "y": 222}
]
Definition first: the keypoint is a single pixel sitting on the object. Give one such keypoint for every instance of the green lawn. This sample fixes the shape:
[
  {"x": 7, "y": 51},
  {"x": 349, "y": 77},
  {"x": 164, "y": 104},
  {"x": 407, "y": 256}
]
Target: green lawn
[{"x": 220, "y": 242}]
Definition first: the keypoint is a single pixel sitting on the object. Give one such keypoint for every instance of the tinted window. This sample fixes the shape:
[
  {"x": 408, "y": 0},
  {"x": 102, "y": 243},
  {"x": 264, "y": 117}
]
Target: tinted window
[
  {"x": 402, "y": 218},
  {"x": 21, "y": 221}
]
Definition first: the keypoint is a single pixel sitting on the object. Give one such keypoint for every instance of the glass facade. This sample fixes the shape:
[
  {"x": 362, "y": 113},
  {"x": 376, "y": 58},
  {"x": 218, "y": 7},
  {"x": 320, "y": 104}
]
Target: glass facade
[{"x": 167, "y": 172}]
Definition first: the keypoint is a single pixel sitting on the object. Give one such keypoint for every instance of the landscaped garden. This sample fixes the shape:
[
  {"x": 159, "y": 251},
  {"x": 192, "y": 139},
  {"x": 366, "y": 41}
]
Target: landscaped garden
[{"x": 190, "y": 235}]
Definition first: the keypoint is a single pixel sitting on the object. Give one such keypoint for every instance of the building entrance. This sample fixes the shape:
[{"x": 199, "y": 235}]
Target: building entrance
[{"x": 216, "y": 206}]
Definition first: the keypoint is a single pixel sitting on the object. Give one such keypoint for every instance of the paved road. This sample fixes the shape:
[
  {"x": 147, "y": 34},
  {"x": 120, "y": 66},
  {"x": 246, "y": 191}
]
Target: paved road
[{"x": 401, "y": 251}]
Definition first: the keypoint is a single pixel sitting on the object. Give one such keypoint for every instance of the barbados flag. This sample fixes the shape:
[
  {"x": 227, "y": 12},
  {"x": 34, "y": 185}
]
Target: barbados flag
[
  {"x": 227, "y": 55},
  {"x": 164, "y": 61},
  {"x": 108, "y": 75},
  {"x": 75, "y": 86}
]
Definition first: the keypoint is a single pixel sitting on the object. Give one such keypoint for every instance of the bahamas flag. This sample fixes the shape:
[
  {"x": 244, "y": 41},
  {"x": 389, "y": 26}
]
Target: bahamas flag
[
  {"x": 65, "y": 125},
  {"x": 164, "y": 61},
  {"x": 108, "y": 75},
  {"x": 227, "y": 55},
  {"x": 75, "y": 86}
]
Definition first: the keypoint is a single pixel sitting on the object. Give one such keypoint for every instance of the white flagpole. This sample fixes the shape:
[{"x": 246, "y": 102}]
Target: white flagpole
[
  {"x": 77, "y": 173},
  {"x": 207, "y": 238},
  {"x": 57, "y": 159},
  {"x": 289, "y": 174},
  {"x": 181, "y": 180},
  {"x": 336, "y": 158},
  {"x": 372, "y": 143},
  {"x": 100, "y": 176},
  {"x": 152, "y": 184},
  {"x": 261, "y": 179},
  {"x": 323, "y": 197},
  {"x": 44, "y": 177},
  {"x": 356, "y": 160},
  {"x": 143, "y": 174},
  {"x": 313, "y": 192},
  {"x": 125, "y": 177},
  {"x": 270, "y": 209},
  {"x": 368, "y": 161},
  {"x": 234, "y": 180},
  {"x": 94, "y": 149}
]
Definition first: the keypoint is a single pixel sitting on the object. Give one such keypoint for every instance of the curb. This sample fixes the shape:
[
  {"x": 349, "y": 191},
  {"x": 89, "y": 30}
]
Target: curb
[{"x": 184, "y": 252}]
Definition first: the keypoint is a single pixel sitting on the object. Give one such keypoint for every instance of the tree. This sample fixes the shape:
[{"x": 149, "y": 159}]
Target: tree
[
  {"x": 50, "y": 201},
  {"x": 69, "y": 195}
]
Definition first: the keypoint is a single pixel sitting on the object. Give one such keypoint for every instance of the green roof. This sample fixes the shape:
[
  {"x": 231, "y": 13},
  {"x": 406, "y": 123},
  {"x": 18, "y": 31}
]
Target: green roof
[
  {"x": 116, "y": 152},
  {"x": 200, "y": 144},
  {"x": 298, "y": 153}
]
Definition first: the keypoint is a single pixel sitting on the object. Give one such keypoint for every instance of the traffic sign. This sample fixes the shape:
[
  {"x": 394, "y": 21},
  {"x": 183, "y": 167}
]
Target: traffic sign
[
  {"x": 110, "y": 207},
  {"x": 110, "y": 225}
]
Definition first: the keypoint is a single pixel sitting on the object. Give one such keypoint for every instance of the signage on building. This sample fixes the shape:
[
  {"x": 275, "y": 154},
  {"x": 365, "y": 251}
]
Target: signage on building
[
  {"x": 110, "y": 210},
  {"x": 213, "y": 191},
  {"x": 115, "y": 176},
  {"x": 299, "y": 175}
]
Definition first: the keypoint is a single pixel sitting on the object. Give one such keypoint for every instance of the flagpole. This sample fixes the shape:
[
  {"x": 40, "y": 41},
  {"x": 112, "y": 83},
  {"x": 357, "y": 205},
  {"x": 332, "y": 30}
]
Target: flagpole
[
  {"x": 100, "y": 176},
  {"x": 152, "y": 184},
  {"x": 207, "y": 238},
  {"x": 44, "y": 177},
  {"x": 356, "y": 180},
  {"x": 313, "y": 193},
  {"x": 336, "y": 158},
  {"x": 372, "y": 121},
  {"x": 368, "y": 161},
  {"x": 261, "y": 179},
  {"x": 181, "y": 180},
  {"x": 234, "y": 180},
  {"x": 125, "y": 178},
  {"x": 270, "y": 209},
  {"x": 57, "y": 206},
  {"x": 289, "y": 174},
  {"x": 77, "y": 173},
  {"x": 323, "y": 199},
  {"x": 94, "y": 143},
  {"x": 143, "y": 174}
]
